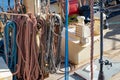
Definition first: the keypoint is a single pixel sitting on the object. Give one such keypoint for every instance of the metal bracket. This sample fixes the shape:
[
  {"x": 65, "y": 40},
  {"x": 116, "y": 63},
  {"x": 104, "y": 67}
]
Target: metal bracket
[{"x": 106, "y": 62}]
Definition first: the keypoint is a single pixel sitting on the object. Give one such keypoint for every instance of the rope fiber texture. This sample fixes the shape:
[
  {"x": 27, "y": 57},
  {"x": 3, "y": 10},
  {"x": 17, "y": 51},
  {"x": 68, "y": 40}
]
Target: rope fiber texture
[
  {"x": 55, "y": 42},
  {"x": 92, "y": 36},
  {"x": 35, "y": 62},
  {"x": 28, "y": 52},
  {"x": 50, "y": 43},
  {"x": 10, "y": 45}
]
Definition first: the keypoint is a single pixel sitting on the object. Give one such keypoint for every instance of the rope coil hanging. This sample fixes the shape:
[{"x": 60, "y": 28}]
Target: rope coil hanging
[
  {"x": 10, "y": 31},
  {"x": 54, "y": 42}
]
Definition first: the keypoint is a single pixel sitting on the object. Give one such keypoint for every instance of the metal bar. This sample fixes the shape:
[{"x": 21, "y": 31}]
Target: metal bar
[
  {"x": 101, "y": 35},
  {"x": 66, "y": 42}
]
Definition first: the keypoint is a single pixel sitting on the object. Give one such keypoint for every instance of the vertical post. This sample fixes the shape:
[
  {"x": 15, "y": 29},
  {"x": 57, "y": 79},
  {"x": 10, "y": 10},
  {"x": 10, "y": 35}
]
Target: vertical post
[
  {"x": 92, "y": 36},
  {"x": 101, "y": 35},
  {"x": 101, "y": 75},
  {"x": 66, "y": 41}
]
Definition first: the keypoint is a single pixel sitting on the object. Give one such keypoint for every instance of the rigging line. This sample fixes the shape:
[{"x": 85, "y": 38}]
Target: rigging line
[
  {"x": 14, "y": 14},
  {"x": 92, "y": 36},
  {"x": 66, "y": 41}
]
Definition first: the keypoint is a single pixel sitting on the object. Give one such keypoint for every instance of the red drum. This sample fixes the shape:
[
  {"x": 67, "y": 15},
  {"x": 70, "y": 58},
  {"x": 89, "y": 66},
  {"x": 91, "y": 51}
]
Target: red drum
[{"x": 73, "y": 7}]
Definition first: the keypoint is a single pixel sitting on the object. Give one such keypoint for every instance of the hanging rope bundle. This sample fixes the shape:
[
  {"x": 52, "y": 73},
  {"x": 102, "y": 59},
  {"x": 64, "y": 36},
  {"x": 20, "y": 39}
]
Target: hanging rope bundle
[
  {"x": 55, "y": 42},
  {"x": 28, "y": 52},
  {"x": 43, "y": 31},
  {"x": 50, "y": 42},
  {"x": 92, "y": 36},
  {"x": 10, "y": 45}
]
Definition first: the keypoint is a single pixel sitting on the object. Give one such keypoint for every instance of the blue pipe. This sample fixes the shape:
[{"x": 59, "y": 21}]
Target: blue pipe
[
  {"x": 10, "y": 45},
  {"x": 66, "y": 42}
]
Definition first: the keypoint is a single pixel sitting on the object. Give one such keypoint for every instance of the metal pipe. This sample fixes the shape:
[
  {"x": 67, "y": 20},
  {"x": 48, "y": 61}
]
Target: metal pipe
[
  {"x": 101, "y": 35},
  {"x": 66, "y": 42},
  {"x": 101, "y": 74}
]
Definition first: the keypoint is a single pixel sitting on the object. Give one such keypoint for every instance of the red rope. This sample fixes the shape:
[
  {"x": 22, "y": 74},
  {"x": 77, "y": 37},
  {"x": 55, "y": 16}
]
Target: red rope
[{"x": 92, "y": 36}]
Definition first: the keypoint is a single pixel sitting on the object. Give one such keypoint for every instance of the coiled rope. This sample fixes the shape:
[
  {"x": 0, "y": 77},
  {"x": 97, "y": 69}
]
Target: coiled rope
[
  {"x": 43, "y": 61},
  {"x": 50, "y": 43},
  {"x": 55, "y": 42},
  {"x": 10, "y": 45},
  {"x": 28, "y": 52}
]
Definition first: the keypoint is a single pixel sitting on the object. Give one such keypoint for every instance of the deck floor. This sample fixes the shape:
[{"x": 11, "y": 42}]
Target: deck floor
[{"x": 111, "y": 48}]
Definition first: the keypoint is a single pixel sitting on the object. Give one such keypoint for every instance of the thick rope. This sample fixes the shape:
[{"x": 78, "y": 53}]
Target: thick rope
[
  {"x": 10, "y": 45},
  {"x": 92, "y": 36},
  {"x": 55, "y": 42},
  {"x": 28, "y": 65},
  {"x": 43, "y": 63},
  {"x": 50, "y": 42}
]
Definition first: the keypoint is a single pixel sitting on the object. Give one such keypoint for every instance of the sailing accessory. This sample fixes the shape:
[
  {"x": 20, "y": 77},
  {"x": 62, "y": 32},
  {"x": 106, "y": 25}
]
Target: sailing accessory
[
  {"x": 10, "y": 46},
  {"x": 66, "y": 42},
  {"x": 92, "y": 36}
]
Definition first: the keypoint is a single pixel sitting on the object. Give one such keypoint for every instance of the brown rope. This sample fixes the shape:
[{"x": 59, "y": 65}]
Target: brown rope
[
  {"x": 28, "y": 52},
  {"x": 92, "y": 36}
]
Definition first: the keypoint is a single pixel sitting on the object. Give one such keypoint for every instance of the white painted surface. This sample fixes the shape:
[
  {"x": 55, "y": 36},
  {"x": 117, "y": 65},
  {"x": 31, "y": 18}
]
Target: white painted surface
[{"x": 5, "y": 73}]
